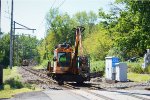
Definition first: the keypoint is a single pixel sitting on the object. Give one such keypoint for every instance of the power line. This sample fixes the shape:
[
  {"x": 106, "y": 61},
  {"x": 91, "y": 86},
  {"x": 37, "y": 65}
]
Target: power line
[
  {"x": 8, "y": 7},
  {"x": 53, "y": 4},
  {"x": 61, "y": 4},
  {"x": 44, "y": 17},
  {"x": 7, "y": 11}
]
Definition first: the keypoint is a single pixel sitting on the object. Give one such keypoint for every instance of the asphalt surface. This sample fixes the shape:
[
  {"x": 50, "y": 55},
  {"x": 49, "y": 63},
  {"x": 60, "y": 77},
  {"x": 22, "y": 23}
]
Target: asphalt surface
[{"x": 84, "y": 95}]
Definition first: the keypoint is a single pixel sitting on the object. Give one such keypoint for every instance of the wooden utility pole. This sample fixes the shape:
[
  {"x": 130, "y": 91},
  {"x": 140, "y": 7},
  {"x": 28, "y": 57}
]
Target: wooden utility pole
[
  {"x": 1, "y": 67},
  {"x": 11, "y": 36},
  {"x": 0, "y": 16}
]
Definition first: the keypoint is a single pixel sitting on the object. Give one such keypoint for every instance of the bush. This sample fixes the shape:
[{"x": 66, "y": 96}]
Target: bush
[
  {"x": 147, "y": 70},
  {"x": 98, "y": 66},
  {"x": 29, "y": 86},
  {"x": 14, "y": 83},
  {"x": 137, "y": 69},
  {"x": 42, "y": 65}
]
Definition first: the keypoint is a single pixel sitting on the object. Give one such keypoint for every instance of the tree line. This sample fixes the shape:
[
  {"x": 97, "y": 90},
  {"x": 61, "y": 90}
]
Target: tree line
[
  {"x": 123, "y": 32},
  {"x": 24, "y": 47}
]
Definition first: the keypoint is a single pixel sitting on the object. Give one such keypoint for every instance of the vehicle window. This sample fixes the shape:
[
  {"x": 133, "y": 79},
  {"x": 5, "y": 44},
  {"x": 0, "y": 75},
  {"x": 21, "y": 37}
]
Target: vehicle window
[{"x": 64, "y": 59}]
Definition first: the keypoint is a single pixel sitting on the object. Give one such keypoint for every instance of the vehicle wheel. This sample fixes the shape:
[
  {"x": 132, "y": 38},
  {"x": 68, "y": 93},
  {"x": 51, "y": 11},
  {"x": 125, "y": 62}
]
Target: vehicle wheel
[
  {"x": 60, "y": 82},
  {"x": 81, "y": 82}
]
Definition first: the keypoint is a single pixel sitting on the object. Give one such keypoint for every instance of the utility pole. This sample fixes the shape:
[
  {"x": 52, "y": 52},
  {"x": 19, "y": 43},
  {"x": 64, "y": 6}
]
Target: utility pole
[
  {"x": 0, "y": 17},
  {"x": 11, "y": 36},
  {"x": 1, "y": 67}
]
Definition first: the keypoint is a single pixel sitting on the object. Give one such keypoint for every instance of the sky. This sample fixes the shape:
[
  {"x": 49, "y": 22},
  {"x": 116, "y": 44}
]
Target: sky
[{"x": 31, "y": 13}]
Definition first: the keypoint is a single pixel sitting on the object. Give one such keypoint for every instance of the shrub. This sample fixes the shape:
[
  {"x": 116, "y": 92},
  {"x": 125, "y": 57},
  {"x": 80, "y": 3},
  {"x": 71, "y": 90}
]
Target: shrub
[
  {"x": 98, "y": 66},
  {"x": 137, "y": 69},
  {"x": 14, "y": 83},
  {"x": 147, "y": 70}
]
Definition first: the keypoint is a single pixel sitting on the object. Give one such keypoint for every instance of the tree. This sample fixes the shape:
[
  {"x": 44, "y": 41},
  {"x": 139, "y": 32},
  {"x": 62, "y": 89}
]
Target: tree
[
  {"x": 98, "y": 44},
  {"x": 133, "y": 25},
  {"x": 86, "y": 20},
  {"x": 129, "y": 27},
  {"x": 4, "y": 51},
  {"x": 59, "y": 30},
  {"x": 27, "y": 48}
]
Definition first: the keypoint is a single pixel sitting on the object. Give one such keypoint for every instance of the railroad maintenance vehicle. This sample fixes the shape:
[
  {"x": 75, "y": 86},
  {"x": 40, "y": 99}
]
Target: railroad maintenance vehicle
[{"x": 67, "y": 64}]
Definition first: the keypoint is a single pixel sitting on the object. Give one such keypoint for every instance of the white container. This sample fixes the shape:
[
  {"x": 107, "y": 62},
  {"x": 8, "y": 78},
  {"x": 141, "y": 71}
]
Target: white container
[
  {"x": 110, "y": 67},
  {"x": 121, "y": 72}
]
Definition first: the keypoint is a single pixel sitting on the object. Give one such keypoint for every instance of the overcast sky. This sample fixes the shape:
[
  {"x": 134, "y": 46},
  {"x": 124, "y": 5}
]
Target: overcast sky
[{"x": 31, "y": 13}]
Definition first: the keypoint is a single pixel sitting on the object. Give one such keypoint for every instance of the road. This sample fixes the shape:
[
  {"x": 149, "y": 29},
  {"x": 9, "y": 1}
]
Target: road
[{"x": 85, "y": 95}]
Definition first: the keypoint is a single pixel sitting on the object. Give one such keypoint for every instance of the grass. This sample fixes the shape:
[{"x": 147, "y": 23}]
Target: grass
[
  {"x": 13, "y": 85},
  {"x": 8, "y": 92},
  {"x": 8, "y": 73},
  {"x": 138, "y": 77}
]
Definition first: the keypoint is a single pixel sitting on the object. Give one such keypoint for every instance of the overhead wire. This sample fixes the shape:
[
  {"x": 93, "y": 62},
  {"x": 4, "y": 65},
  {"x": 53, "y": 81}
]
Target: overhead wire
[
  {"x": 61, "y": 4},
  {"x": 6, "y": 11},
  {"x": 53, "y": 4},
  {"x": 44, "y": 17}
]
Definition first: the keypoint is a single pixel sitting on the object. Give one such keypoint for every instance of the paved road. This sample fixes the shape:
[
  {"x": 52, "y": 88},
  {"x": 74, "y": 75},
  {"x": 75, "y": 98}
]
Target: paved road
[{"x": 85, "y": 95}]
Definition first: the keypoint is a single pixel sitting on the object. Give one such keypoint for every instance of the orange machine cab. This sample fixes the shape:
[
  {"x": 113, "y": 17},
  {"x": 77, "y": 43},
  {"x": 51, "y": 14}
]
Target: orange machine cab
[{"x": 62, "y": 59}]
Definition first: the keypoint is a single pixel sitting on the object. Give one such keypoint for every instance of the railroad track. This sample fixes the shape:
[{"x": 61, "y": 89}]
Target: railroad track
[
  {"x": 89, "y": 88},
  {"x": 41, "y": 79},
  {"x": 46, "y": 79},
  {"x": 39, "y": 74}
]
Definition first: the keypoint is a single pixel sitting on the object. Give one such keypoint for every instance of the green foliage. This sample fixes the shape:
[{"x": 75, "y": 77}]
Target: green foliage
[
  {"x": 135, "y": 67},
  {"x": 133, "y": 25},
  {"x": 98, "y": 44},
  {"x": 15, "y": 84},
  {"x": 4, "y": 51},
  {"x": 147, "y": 69},
  {"x": 43, "y": 65},
  {"x": 98, "y": 66},
  {"x": 116, "y": 52},
  {"x": 87, "y": 20},
  {"x": 26, "y": 50},
  {"x": 59, "y": 30},
  {"x": 129, "y": 27}
]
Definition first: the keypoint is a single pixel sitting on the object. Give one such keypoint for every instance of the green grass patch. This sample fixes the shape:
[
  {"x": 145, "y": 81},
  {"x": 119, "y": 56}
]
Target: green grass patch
[
  {"x": 13, "y": 85},
  {"x": 8, "y": 92},
  {"x": 11, "y": 73},
  {"x": 138, "y": 77}
]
